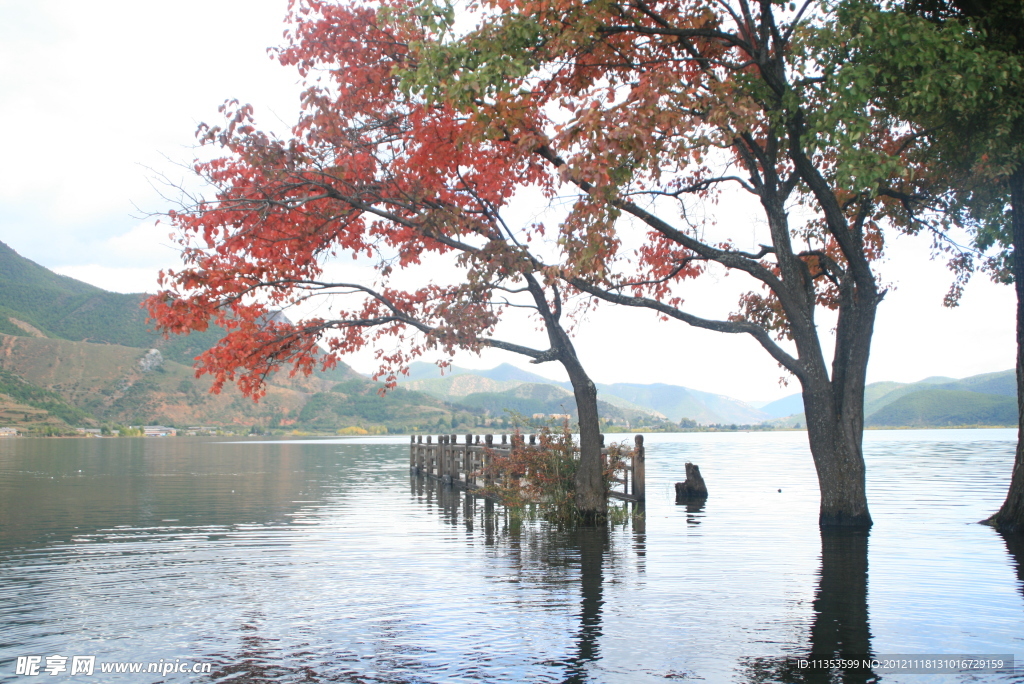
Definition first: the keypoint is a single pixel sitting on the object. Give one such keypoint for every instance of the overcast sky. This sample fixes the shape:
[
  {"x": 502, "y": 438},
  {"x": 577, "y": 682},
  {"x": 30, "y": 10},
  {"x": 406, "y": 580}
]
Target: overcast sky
[{"x": 100, "y": 99}]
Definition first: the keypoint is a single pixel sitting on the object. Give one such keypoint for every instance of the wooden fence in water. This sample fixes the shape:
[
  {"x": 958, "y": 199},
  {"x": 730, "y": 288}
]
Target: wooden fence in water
[{"x": 467, "y": 465}]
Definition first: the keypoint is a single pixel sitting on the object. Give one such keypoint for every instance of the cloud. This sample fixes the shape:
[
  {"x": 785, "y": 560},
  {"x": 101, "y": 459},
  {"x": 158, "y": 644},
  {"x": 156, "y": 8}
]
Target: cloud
[
  {"x": 129, "y": 262},
  {"x": 116, "y": 279}
]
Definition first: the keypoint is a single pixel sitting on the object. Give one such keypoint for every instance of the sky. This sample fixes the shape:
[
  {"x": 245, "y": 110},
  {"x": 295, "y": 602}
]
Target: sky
[{"x": 99, "y": 103}]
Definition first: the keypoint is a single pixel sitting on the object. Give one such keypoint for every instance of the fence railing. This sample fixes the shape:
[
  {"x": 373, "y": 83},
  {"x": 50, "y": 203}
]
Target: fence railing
[{"x": 467, "y": 464}]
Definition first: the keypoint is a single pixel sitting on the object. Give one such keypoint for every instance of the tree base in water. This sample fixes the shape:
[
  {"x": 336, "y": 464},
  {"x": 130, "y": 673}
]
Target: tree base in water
[{"x": 846, "y": 521}]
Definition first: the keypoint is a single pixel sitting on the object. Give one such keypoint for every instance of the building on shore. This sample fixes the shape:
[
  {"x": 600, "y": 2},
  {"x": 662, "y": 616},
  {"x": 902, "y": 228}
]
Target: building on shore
[
  {"x": 158, "y": 431},
  {"x": 8, "y": 432}
]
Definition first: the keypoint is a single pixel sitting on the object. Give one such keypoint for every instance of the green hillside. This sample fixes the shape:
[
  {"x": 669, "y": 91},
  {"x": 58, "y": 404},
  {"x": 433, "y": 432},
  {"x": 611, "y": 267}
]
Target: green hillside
[
  {"x": 983, "y": 399},
  {"x": 71, "y": 352},
  {"x": 525, "y": 399},
  {"x": 359, "y": 403},
  {"x": 27, "y": 394},
  {"x": 45, "y": 381},
  {"x": 1003, "y": 383},
  {"x": 946, "y": 408},
  {"x": 656, "y": 401},
  {"x": 677, "y": 402},
  {"x": 68, "y": 309},
  {"x": 530, "y": 399},
  {"x": 454, "y": 387}
]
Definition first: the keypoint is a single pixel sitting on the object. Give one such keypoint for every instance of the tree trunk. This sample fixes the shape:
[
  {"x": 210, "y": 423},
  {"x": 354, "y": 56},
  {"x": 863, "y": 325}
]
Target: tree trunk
[
  {"x": 591, "y": 497},
  {"x": 834, "y": 409},
  {"x": 838, "y": 460},
  {"x": 1010, "y": 517}
]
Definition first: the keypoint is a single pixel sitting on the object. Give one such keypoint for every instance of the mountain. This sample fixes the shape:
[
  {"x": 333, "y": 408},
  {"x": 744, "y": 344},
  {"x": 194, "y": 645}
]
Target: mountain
[
  {"x": 36, "y": 302},
  {"x": 455, "y": 386},
  {"x": 72, "y": 354},
  {"x": 936, "y": 401},
  {"x": 534, "y": 399},
  {"x": 356, "y": 400},
  {"x": 506, "y": 372},
  {"x": 787, "y": 406},
  {"x": 946, "y": 408},
  {"x": 21, "y": 401},
  {"x": 677, "y": 402},
  {"x": 658, "y": 401}
]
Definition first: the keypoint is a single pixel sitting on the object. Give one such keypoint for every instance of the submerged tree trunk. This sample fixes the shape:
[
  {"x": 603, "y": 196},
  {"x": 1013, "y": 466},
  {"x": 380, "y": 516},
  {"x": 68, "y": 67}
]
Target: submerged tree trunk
[
  {"x": 834, "y": 409},
  {"x": 838, "y": 460},
  {"x": 591, "y": 497},
  {"x": 833, "y": 401},
  {"x": 1010, "y": 517}
]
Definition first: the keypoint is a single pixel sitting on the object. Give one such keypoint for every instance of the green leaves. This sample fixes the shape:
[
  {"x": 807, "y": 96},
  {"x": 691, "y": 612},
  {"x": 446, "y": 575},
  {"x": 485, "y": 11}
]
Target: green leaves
[{"x": 491, "y": 61}]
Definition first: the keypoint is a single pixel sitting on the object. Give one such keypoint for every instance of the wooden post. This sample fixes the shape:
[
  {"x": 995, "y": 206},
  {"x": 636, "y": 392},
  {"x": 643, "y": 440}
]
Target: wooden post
[
  {"x": 639, "y": 469},
  {"x": 448, "y": 449},
  {"x": 425, "y": 466},
  {"x": 533, "y": 440},
  {"x": 442, "y": 455},
  {"x": 445, "y": 468},
  {"x": 477, "y": 463},
  {"x": 432, "y": 458},
  {"x": 412, "y": 454},
  {"x": 504, "y": 440}
]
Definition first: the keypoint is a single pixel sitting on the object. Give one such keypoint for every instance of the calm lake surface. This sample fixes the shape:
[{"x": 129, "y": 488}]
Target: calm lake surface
[{"x": 322, "y": 561}]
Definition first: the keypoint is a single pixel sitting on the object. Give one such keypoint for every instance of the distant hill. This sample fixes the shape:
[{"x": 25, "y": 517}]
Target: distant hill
[
  {"x": 21, "y": 401},
  {"x": 946, "y": 408},
  {"x": 529, "y": 399},
  {"x": 658, "y": 400},
  {"x": 73, "y": 354},
  {"x": 51, "y": 382},
  {"x": 787, "y": 406},
  {"x": 936, "y": 401},
  {"x": 35, "y": 301},
  {"x": 70, "y": 354},
  {"x": 678, "y": 402},
  {"x": 506, "y": 372},
  {"x": 354, "y": 401},
  {"x": 456, "y": 386}
]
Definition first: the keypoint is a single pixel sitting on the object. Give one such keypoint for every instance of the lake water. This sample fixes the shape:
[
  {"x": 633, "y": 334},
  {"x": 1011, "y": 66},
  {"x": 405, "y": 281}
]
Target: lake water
[{"x": 324, "y": 561}]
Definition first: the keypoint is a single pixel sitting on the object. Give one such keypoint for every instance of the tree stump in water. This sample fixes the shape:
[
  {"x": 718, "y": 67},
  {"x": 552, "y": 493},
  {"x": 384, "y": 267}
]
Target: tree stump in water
[{"x": 694, "y": 488}]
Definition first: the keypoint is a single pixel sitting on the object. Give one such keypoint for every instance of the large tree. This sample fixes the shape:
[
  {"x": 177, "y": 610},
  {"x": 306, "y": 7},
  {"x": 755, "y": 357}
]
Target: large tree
[
  {"x": 953, "y": 72},
  {"x": 990, "y": 139},
  {"x": 368, "y": 172},
  {"x": 646, "y": 111}
]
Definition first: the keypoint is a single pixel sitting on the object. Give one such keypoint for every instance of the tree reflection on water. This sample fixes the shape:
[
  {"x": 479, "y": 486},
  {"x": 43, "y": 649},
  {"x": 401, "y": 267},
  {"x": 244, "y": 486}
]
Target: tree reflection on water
[
  {"x": 577, "y": 557},
  {"x": 1015, "y": 546},
  {"x": 840, "y": 626},
  {"x": 592, "y": 543}
]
